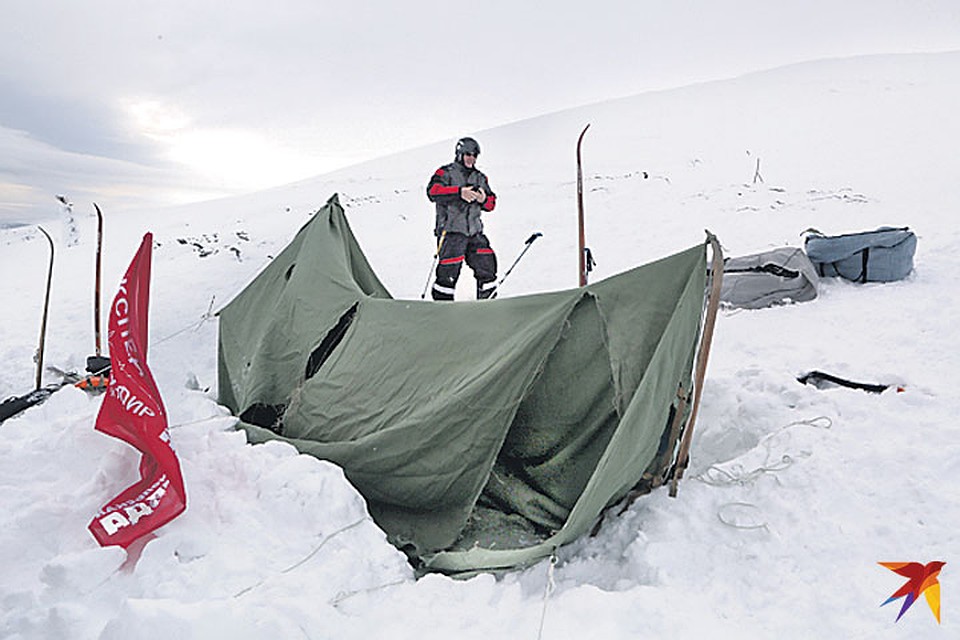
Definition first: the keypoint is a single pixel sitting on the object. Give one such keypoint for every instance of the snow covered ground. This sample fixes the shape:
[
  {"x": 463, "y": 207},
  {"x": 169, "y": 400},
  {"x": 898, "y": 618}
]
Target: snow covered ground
[{"x": 793, "y": 496}]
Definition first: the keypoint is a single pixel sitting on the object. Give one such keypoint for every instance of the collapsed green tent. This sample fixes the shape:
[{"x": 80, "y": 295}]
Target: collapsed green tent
[{"x": 483, "y": 435}]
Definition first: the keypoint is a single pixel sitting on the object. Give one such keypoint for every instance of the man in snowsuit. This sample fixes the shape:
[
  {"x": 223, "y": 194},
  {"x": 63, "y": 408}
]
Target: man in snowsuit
[{"x": 462, "y": 193}]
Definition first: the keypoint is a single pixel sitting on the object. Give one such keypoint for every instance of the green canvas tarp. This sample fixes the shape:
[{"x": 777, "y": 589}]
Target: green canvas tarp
[{"x": 483, "y": 435}]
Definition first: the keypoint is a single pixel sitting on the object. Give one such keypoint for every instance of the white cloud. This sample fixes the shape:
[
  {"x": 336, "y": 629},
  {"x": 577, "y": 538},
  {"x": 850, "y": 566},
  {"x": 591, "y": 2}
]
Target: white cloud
[
  {"x": 155, "y": 119},
  {"x": 237, "y": 159}
]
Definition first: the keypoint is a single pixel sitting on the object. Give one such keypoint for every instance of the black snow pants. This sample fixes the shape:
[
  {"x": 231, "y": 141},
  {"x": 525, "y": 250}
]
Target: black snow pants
[{"x": 476, "y": 252}]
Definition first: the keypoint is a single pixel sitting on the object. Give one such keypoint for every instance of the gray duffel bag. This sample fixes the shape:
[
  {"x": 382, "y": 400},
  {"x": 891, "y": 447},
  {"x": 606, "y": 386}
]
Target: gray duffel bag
[
  {"x": 883, "y": 255},
  {"x": 779, "y": 276}
]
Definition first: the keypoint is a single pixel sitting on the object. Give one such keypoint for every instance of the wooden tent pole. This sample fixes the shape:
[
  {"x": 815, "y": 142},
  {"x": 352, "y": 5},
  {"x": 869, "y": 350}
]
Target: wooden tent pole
[{"x": 713, "y": 305}]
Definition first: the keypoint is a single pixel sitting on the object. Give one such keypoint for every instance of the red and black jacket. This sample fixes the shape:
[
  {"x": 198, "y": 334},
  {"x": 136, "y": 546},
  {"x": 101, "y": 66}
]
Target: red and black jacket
[{"x": 454, "y": 215}]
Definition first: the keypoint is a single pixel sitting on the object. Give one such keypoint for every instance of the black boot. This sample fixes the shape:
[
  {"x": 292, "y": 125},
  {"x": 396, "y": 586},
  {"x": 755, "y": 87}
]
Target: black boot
[{"x": 486, "y": 290}]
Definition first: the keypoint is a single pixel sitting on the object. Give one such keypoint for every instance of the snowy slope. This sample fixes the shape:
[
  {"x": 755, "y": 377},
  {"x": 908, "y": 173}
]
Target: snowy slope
[{"x": 793, "y": 496}]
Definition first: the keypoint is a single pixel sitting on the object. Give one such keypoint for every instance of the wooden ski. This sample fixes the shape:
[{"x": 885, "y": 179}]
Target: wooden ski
[
  {"x": 96, "y": 288},
  {"x": 582, "y": 249},
  {"x": 46, "y": 310}
]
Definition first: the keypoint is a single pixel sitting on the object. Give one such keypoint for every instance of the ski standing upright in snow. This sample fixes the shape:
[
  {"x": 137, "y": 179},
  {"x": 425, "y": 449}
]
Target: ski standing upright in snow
[{"x": 586, "y": 262}]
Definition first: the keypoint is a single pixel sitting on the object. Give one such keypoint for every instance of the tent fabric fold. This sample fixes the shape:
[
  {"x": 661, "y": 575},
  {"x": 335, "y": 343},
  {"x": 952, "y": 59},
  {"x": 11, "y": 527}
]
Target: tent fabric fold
[{"x": 482, "y": 434}]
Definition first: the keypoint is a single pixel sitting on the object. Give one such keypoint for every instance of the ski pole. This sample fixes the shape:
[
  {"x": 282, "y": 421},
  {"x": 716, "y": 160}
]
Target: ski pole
[
  {"x": 528, "y": 243},
  {"x": 433, "y": 265}
]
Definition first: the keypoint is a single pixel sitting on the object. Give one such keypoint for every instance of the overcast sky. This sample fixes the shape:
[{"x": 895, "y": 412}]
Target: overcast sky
[{"x": 138, "y": 103}]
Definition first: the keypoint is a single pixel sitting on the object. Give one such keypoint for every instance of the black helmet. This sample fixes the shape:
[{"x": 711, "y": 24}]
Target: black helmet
[{"x": 466, "y": 146}]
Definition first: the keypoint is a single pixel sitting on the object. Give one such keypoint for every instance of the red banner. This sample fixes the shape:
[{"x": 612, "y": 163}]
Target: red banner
[{"x": 133, "y": 412}]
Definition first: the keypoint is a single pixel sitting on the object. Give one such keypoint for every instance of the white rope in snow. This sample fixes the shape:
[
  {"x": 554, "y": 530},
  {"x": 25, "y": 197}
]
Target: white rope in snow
[
  {"x": 728, "y": 519},
  {"x": 346, "y": 595},
  {"x": 305, "y": 558},
  {"x": 208, "y": 315},
  {"x": 325, "y": 541},
  {"x": 717, "y": 476},
  {"x": 219, "y": 416},
  {"x": 548, "y": 589}
]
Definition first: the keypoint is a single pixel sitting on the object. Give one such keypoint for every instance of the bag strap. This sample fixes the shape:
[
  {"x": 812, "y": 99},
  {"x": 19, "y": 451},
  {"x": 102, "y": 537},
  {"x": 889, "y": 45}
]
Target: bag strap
[{"x": 768, "y": 267}]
